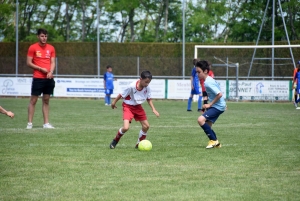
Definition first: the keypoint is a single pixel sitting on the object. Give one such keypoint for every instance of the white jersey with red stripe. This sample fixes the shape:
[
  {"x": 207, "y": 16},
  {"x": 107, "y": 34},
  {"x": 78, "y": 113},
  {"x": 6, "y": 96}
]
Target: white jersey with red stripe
[{"x": 132, "y": 96}]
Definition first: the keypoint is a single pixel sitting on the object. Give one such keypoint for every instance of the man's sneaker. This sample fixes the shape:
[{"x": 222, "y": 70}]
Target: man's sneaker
[
  {"x": 29, "y": 126},
  {"x": 212, "y": 144},
  {"x": 47, "y": 125},
  {"x": 106, "y": 104},
  {"x": 113, "y": 144},
  {"x": 189, "y": 110}
]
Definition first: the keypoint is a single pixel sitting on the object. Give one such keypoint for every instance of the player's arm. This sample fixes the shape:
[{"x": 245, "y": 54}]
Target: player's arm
[
  {"x": 8, "y": 113},
  {"x": 104, "y": 81},
  {"x": 52, "y": 67},
  {"x": 192, "y": 82},
  {"x": 30, "y": 64},
  {"x": 152, "y": 107},
  {"x": 113, "y": 104},
  {"x": 218, "y": 96}
]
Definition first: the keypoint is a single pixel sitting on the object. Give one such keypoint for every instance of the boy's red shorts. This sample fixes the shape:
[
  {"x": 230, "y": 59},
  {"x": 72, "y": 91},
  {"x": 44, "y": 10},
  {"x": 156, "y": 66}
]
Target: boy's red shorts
[{"x": 133, "y": 111}]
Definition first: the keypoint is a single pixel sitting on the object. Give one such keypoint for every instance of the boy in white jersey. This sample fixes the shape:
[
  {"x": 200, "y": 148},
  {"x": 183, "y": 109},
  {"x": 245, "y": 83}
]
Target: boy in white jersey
[
  {"x": 214, "y": 108},
  {"x": 133, "y": 96}
]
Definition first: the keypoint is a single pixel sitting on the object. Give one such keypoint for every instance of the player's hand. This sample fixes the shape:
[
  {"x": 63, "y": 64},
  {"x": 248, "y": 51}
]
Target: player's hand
[
  {"x": 113, "y": 106},
  {"x": 205, "y": 106},
  {"x": 49, "y": 75},
  {"x": 155, "y": 112},
  {"x": 10, "y": 114}
]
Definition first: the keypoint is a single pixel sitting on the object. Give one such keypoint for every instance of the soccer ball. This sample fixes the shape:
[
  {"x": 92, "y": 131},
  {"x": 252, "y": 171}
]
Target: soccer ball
[{"x": 145, "y": 145}]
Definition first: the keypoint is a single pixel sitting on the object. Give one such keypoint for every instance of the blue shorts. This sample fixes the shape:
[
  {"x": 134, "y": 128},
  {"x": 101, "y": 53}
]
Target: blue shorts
[
  {"x": 212, "y": 114},
  {"x": 109, "y": 91},
  {"x": 196, "y": 91}
]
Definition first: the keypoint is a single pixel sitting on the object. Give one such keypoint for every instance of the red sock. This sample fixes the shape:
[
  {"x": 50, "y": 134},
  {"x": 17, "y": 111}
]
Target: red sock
[
  {"x": 118, "y": 136},
  {"x": 142, "y": 137}
]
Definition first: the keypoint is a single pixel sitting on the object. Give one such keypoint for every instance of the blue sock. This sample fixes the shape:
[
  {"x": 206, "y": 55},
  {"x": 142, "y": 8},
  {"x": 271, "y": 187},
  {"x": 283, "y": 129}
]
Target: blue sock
[
  {"x": 209, "y": 132},
  {"x": 215, "y": 136},
  {"x": 200, "y": 103},
  {"x": 108, "y": 100},
  {"x": 189, "y": 103}
]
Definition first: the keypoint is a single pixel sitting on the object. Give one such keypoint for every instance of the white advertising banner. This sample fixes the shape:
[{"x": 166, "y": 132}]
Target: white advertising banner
[
  {"x": 259, "y": 89},
  {"x": 222, "y": 84},
  {"x": 176, "y": 89},
  {"x": 75, "y": 87},
  {"x": 13, "y": 86},
  {"x": 78, "y": 87},
  {"x": 179, "y": 89},
  {"x": 157, "y": 87}
]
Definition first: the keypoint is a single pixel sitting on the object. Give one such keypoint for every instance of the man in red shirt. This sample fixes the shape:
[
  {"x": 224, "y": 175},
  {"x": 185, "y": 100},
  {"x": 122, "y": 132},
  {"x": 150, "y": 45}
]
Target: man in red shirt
[
  {"x": 204, "y": 93},
  {"x": 41, "y": 58},
  {"x": 295, "y": 81}
]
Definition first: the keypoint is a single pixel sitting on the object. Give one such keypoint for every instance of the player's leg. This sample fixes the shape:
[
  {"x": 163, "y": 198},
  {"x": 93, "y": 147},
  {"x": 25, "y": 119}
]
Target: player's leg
[
  {"x": 36, "y": 90},
  {"x": 205, "y": 121},
  {"x": 143, "y": 132},
  {"x": 47, "y": 91},
  {"x": 199, "y": 99},
  {"x": 109, "y": 96},
  {"x": 127, "y": 117},
  {"x": 31, "y": 109},
  {"x": 190, "y": 100},
  {"x": 120, "y": 133}
]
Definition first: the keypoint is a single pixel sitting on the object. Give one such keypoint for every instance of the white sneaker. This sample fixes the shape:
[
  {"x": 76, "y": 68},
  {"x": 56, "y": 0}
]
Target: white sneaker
[
  {"x": 29, "y": 126},
  {"x": 106, "y": 104},
  {"x": 47, "y": 125}
]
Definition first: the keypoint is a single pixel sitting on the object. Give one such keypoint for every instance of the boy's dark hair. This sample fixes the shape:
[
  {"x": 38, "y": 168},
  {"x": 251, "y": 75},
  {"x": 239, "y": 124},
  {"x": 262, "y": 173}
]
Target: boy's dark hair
[
  {"x": 108, "y": 66},
  {"x": 42, "y": 31},
  {"x": 204, "y": 65},
  {"x": 195, "y": 61},
  {"x": 146, "y": 74}
]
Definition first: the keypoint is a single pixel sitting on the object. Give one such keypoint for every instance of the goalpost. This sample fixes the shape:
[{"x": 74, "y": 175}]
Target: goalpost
[{"x": 242, "y": 58}]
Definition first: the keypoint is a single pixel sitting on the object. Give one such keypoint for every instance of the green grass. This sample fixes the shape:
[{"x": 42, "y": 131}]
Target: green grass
[{"x": 259, "y": 159}]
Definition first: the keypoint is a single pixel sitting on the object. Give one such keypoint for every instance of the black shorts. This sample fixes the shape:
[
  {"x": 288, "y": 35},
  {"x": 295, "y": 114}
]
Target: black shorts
[
  {"x": 39, "y": 86},
  {"x": 204, "y": 93}
]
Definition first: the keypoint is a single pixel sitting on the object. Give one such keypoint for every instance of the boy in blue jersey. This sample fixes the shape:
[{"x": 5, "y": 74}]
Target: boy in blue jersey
[
  {"x": 108, "y": 82},
  {"x": 195, "y": 89},
  {"x": 214, "y": 108}
]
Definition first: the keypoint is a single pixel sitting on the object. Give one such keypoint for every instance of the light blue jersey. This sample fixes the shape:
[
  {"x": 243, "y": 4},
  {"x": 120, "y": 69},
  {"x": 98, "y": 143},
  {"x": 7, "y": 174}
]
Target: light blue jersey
[
  {"x": 109, "y": 80},
  {"x": 212, "y": 89}
]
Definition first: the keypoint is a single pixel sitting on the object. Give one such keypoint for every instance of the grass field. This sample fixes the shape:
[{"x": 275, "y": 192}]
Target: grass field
[{"x": 259, "y": 158}]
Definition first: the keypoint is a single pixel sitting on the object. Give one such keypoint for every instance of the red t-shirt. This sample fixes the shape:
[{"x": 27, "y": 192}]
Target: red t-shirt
[
  {"x": 211, "y": 74},
  {"x": 295, "y": 71},
  {"x": 41, "y": 56}
]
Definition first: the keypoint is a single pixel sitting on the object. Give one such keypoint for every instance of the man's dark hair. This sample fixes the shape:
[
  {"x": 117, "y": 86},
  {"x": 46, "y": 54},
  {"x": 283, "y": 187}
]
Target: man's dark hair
[
  {"x": 108, "y": 66},
  {"x": 146, "y": 74},
  {"x": 195, "y": 61},
  {"x": 204, "y": 65},
  {"x": 42, "y": 31}
]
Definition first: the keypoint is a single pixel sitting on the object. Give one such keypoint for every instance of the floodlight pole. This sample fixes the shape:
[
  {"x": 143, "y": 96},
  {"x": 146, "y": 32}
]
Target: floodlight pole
[
  {"x": 273, "y": 38},
  {"x": 98, "y": 41},
  {"x": 183, "y": 39},
  {"x": 17, "y": 38}
]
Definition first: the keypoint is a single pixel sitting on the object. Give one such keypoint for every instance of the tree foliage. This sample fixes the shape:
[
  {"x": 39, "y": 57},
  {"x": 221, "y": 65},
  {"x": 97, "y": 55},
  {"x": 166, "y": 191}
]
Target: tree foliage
[{"x": 150, "y": 20}]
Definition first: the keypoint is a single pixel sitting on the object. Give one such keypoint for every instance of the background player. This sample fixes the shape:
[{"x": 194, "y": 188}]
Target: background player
[
  {"x": 214, "y": 108},
  {"x": 295, "y": 81},
  {"x": 41, "y": 58},
  {"x": 108, "y": 82},
  {"x": 195, "y": 88},
  {"x": 133, "y": 96},
  {"x": 297, "y": 86},
  {"x": 204, "y": 93}
]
